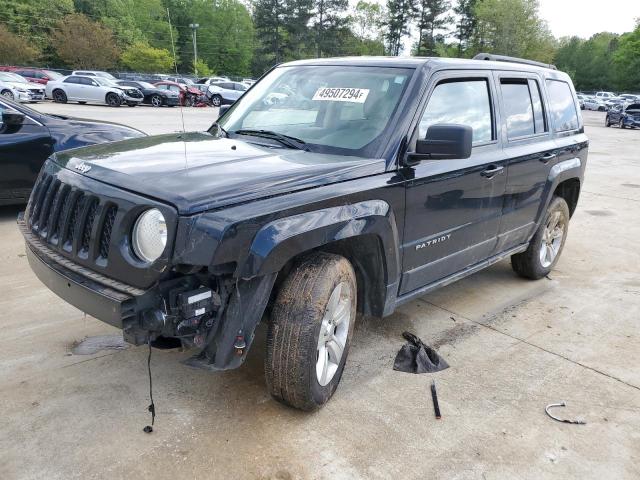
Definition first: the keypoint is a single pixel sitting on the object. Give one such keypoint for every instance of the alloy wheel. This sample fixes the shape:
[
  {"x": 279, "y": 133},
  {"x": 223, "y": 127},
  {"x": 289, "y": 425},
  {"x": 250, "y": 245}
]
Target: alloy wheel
[
  {"x": 552, "y": 239},
  {"x": 8, "y": 94},
  {"x": 333, "y": 333}
]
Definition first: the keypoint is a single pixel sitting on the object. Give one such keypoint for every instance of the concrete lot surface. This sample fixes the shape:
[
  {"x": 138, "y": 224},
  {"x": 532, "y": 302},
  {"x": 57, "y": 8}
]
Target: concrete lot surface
[{"x": 514, "y": 346}]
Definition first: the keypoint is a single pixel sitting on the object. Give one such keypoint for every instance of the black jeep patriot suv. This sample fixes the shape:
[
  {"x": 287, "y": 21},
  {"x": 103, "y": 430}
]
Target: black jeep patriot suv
[{"x": 332, "y": 186}]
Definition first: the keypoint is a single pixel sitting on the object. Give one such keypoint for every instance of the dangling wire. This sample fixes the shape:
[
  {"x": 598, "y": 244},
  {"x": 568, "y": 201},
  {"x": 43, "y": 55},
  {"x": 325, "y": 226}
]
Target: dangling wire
[{"x": 152, "y": 406}]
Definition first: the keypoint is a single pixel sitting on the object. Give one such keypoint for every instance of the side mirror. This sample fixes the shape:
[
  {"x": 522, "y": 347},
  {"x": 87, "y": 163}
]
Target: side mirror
[
  {"x": 443, "y": 142},
  {"x": 223, "y": 110},
  {"x": 12, "y": 119}
]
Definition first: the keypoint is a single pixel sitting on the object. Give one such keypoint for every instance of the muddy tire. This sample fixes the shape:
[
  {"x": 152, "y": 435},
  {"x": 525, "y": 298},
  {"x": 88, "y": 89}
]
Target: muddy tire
[
  {"x": 546, "y": 245},
  {"x": 310, "y": 331}
]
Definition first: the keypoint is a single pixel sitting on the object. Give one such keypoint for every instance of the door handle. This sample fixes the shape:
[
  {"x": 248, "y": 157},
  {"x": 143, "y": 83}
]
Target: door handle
[
  {"x": 491, "y": 171},
  {"x": 547, "y": 157}
]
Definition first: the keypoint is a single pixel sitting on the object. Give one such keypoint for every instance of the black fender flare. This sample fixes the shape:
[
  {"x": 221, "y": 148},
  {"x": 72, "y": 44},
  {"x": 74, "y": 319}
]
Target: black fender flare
[
  {"x": 281, "y": 240},
  {"x": 560, "y": 172}
]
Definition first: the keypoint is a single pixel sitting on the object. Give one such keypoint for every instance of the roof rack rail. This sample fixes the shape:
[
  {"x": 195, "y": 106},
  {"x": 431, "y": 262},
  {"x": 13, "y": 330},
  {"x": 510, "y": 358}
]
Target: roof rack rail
[{"x": 504, "y": 58}]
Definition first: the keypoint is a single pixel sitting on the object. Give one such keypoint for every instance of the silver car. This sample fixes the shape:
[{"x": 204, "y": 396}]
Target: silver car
[
  {"x": 15, "y": 87},
  {"x": 225, "y": 93},
  {"x": 96, "y": 89},
  {"x": 595, "y": 103}
]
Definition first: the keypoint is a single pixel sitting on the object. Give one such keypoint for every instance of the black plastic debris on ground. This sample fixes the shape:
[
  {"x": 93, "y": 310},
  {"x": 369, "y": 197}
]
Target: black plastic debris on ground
[{"x": 417, "y": 357}]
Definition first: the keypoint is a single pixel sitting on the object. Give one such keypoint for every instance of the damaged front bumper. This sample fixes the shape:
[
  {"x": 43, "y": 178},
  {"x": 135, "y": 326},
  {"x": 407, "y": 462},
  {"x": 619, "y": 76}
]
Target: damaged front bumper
[{"x": 215, "y": 315}]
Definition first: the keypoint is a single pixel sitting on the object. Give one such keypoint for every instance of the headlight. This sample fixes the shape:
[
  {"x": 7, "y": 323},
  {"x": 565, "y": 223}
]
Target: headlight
[
  {"x": 149, "y": 236},
  {"x": 22, "y": 90}
]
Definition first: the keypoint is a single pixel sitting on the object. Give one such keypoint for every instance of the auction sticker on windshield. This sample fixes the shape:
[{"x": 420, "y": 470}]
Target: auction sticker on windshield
[{"x": 338, "y": 94}]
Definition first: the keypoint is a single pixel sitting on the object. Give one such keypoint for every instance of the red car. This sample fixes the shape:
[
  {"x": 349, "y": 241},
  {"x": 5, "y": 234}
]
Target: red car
[
  {"x": 35, "y": 75},
  {"x": 188, "y": 95}
]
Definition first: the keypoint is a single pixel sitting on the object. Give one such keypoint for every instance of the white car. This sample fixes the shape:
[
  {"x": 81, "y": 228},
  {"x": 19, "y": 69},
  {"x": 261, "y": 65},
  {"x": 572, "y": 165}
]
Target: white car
[
  {"x": 93, "y": 73},
  {"x": 595, "y": 103},
  {"x": 225, "y": 93},
  {"x": 210, "y": 80},
  {"x": 96, "y": 89},
  {"x": 605, "y": 95},
  {"x": 15, "y": 87}
]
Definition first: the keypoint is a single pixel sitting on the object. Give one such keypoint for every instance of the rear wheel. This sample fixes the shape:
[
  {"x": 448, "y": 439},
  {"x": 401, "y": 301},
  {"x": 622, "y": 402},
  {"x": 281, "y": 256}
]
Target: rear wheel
[
  {"x": 59, "y": 96},
  {"x": 546, "y": 245},
  {"x": 310, "y": 331},
  {"x": 113, "y": 100}
]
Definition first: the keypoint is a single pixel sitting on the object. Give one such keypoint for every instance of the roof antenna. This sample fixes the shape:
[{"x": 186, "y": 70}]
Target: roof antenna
[{"x": 175, "y": 65}]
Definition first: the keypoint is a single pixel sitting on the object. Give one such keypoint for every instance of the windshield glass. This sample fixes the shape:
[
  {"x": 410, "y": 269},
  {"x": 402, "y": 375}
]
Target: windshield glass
[
  {"x": 145, "y": 85},
  {"x": 53, "y": 75},
  {"x": 105, "y": 82},
  {"x": 12, "y": 77},
  {"x": 333, "y": 109}
]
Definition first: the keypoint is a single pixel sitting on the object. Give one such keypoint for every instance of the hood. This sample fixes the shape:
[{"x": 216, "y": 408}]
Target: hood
[
  {"x": 197, "y": 171},
  {"x": 75, "y": 132}
]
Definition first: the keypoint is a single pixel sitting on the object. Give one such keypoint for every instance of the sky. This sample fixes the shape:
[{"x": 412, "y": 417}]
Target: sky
[{"x": 586, "y": 17}]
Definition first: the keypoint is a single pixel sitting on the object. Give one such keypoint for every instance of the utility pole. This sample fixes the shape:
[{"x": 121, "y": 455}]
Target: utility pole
[{"x": 194, "y": 27}]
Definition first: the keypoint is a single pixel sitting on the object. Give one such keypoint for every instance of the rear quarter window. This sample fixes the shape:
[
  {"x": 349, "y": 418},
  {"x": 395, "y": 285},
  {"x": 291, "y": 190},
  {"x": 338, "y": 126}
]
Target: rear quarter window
[{"x": 561, "y": 106}]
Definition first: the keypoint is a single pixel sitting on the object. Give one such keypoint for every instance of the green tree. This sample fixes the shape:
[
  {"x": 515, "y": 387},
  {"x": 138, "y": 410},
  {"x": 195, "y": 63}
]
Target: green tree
[
  {"x": 513, "y": 27},
  {"x": 15, "y": 49},
  {"x": 626, "y": 61},
  {"x": 202, "y": 68},
  {"x": 432, "y": 17},
  {"x": 366, "y": 19},
  {"x": 327, "y": 22},
  {"x": 590, "y": 63},
  {"x": 82, "y": 43},
  {"x": 466, "y": 24},
  {"x": 400, "y": 14},
  {"x": 141, "y": 57}
]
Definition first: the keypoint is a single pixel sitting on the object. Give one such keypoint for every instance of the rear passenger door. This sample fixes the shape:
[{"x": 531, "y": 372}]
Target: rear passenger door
[
  {"x": 531, "y": 153},
  {"x": 453, "y": 207}
]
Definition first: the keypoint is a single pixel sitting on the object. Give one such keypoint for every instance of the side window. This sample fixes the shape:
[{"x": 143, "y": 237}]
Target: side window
[
  {"x": 465, "y": 102},
  {"x": 538, "y": 107},
  {"x": 71, "y": 80},
  {"x": 518, "y": 109},
  {"x": 561, "y": 106}
]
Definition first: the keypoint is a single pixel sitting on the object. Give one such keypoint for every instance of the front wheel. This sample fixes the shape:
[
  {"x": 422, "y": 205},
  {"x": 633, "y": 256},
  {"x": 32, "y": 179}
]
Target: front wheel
[
  {"x": 621, "y": 124},
  {"x": 7, "y": 94},
  {"x": 546, "y": 245},
  {"x": 113, "y": 100},
  {"x": 310, "y": 331},
  {"x": 156, "y": 100},
  {"x": 216, "y": 100},
  {"x": 607, "y": 122}
]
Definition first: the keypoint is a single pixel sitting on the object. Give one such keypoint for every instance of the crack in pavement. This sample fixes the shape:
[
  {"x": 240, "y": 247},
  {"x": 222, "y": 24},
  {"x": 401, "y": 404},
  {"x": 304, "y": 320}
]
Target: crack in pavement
[{"x": 526, "y": 342}]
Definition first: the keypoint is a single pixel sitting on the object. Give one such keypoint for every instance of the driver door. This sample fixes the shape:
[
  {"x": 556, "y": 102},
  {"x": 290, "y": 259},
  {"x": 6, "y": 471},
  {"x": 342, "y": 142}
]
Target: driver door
[{"x": 454, "y": 207}]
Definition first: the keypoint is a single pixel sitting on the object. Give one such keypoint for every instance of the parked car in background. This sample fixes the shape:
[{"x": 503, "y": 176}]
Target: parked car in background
[
  {"x": 595, "y": 103},
  {"x": 95, "y": 89},
  {"x": 93, "y": 73},
  {"x": 611, "y": 102},
  {"x": 581, "y": 99},
  {"x": 629, "y": 97},
  {"x": 28, "y": 138},
  {"x": 225, "y": 93},
  {"x": 153, "y": 95},
  {"x": 624, "y": 116},
  {"x": 209, "y": 80},
  {"x": 248, "y": 81},
  {"x": 36, "y": 75},
  {"x": 605, "y": 95},
  {"x": 15, "y": 87},
  {"x": 180, "y": 80},
  {"x": 188, "y": 95}
]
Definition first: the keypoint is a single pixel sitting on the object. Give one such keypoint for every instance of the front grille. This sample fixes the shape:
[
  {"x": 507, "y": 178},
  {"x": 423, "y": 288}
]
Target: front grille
[{"x": 66, "y": 217}]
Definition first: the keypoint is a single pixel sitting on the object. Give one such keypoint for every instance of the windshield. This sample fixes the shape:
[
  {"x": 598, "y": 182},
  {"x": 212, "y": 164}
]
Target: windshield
[
  {"x": 12, "y": 77},
  {"x": 145, "y": 85},
  {"x": 53, "y": 75},
  {"x": 333, "y": 109},
  {"x": 105, "y": 82}
]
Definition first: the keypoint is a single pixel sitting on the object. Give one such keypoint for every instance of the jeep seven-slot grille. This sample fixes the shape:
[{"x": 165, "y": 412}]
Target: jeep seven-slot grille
[{"x": 67, "y": 217}]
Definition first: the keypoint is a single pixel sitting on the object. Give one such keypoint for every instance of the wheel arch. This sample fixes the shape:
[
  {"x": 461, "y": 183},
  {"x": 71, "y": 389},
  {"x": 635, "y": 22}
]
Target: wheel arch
[
  {"x": 569, "y": 190},
  {"x": 365, "y": 233}
]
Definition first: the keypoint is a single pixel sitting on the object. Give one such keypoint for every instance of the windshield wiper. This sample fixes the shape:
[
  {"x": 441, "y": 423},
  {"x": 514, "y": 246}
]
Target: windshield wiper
[{"x": 287, "y": 140}]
